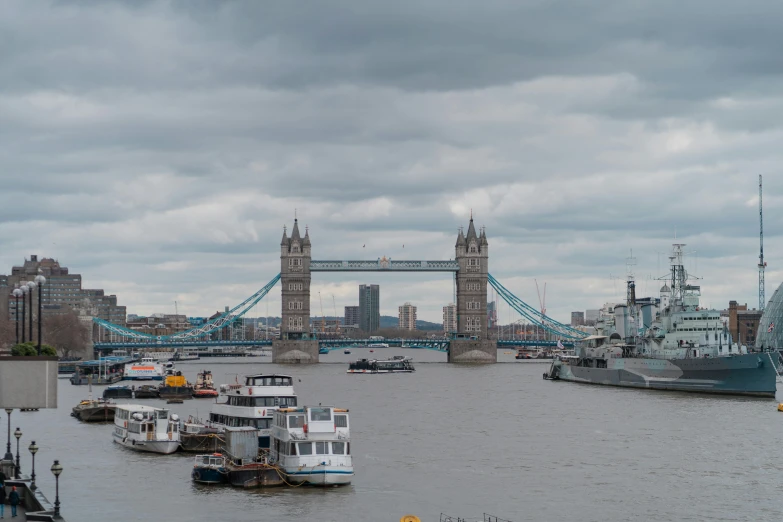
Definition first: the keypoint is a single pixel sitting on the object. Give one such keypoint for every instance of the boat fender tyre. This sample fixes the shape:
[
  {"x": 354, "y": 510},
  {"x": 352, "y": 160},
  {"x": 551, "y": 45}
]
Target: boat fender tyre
[
  {"x": 196, "y": 475},
  {"x": 544, "y": 375}
]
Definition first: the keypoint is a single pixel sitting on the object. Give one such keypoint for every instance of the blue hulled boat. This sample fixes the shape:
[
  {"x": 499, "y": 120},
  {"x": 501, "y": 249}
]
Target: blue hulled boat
[{"x": 210, "y": 469}]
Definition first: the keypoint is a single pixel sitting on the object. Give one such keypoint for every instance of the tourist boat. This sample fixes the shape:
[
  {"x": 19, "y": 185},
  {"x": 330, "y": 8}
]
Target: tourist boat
[
  {"x": 196, "y": 436},
  {"x": 253, "y": 404},
  {"x": 312, "y": 445},
  {"x": 397, "y": 364},
  {"x": 180, "y": 356},
  {"x": 175, "y": 386},
  {"x": 118, "y": 392},
  {"x": 204, "y": 387},
  {"x": 377, "y": 345},
  {"x": 148, "y": 369},
  {"x": 210, "y": 469},
  {"x": 146, "y": 391},
  {"x": 144, "y": 428}
]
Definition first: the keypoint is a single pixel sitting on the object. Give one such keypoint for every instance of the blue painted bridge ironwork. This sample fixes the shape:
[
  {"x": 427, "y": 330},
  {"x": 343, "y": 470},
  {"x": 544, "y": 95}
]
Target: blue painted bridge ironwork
[
  {"x": 441, "y": 345},
  {"x": 384, "y": 264}
]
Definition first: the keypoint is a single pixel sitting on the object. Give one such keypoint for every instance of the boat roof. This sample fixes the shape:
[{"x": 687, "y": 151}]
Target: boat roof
[
  {"x": 301, "y": 409},
  {"x": 138, "y": 407},
  {"x": 105, "y": 360},
  {"x": 593, "y": 337}
]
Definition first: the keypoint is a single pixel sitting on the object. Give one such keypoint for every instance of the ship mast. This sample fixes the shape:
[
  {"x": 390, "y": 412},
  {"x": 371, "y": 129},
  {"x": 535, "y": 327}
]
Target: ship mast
[
  {"x": 762, "y": 264},
  {"x": 679, "y": 276}
]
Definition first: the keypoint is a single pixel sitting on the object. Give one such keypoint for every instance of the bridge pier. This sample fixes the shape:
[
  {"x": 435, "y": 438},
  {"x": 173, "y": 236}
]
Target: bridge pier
[
  {"x": 286, "y": 351},
  {"x": 472, "y": 351}
]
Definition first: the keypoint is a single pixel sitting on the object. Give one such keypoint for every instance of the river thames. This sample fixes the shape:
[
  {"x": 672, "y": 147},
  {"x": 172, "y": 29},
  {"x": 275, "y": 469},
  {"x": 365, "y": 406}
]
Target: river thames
[{"x": 460, "y": 440}]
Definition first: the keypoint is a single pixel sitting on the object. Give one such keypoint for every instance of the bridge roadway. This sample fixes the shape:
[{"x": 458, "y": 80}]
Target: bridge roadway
[{"x": 441, "y": 345}]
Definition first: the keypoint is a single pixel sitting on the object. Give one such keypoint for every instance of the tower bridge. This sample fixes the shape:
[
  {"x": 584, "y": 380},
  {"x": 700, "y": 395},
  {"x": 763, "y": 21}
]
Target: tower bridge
[{"x": 296, "y": 344}]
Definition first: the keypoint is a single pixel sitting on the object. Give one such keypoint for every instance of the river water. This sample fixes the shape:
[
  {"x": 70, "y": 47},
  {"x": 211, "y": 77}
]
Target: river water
[{"x": 460, "y": 440}]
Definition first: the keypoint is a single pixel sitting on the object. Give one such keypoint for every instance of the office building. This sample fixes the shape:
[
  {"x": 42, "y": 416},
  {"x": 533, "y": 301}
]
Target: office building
[
  {"x": 406, "y": 317},
  {"x": 591, "y": 316},
  {"x": 369, "y": 308},
  {"x": 351, "y": 316},
  {"x": 577, "y": 318},
  {"x": 743, "y": 323},
  {"x": 450, "y": 318},
  {"x": 62, "y": 292},
  {"x": 492, "y": 314}
]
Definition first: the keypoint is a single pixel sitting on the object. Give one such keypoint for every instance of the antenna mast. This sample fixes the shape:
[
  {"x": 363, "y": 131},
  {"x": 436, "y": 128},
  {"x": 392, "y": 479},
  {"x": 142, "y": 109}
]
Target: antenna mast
[{"x": 762, "y": 264}]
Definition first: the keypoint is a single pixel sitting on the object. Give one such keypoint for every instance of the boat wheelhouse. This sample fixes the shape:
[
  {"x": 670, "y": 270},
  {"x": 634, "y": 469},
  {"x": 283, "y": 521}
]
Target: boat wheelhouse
[
  {"x": 253, "y": 403},
  {"x": 312, "y": 445},
  {"x": 145, "y": 428},
  {"x": 397, "y": 364},
  {"x": 210, "y": 469}
]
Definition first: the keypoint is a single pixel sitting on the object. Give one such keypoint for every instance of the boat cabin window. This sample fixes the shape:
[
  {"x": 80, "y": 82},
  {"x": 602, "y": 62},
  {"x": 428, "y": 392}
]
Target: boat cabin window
[
  {"x": 320, "y": 414},
  {"x": 341, "y": 421},
  {"x": 284, "y": 402},
  {"x": 268, "y": 381},
  {"x": 292, "y": 449},
  {"x": 305, "y": 448},
  {"x": 338, "y": 448},
  {"x": 321, "y": 448},
  {"x": 296, "y": 421},
  {"x": 162, "y": 414}
]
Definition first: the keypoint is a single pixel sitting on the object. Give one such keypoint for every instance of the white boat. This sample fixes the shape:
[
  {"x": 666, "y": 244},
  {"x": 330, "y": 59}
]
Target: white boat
[
  {"x": 253, "y": 404},
  {"x": 397, "y": 364},
  {"x": 377, "y": 345},
  {"x": 144, "y": 428},
  {"x": 312, "y": 445},
  {"x": 148, "y": 369}
]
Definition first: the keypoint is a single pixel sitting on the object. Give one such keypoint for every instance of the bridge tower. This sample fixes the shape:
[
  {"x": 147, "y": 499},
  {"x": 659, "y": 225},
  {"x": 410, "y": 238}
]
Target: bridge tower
[
  {"x": 472, "y": 343},
  {"x": 295, "y": 344}
]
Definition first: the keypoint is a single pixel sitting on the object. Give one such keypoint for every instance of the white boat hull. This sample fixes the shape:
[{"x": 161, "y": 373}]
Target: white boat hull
[
  {"x": 320, "y": 475},
  {"x": 165, "y": 447}
]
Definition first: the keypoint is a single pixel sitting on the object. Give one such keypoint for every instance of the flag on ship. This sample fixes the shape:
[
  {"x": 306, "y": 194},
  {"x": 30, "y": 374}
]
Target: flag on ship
[
  {"x": 560, "y": 344},
  {"x": 771, "y": 327}
]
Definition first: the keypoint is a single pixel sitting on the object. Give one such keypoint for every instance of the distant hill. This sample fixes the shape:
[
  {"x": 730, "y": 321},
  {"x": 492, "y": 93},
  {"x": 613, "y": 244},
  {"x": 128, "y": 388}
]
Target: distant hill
[{"x": 389, "y": 321}]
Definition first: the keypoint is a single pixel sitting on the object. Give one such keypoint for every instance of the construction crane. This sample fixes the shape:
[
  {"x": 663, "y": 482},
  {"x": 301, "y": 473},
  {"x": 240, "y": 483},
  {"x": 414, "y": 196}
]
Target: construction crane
[
  {"x": 762, "y": 264},
  {"x": 337, "y": 321},
  {"x": 542, "y": 302},
  {"x": 323, "y": 318}
]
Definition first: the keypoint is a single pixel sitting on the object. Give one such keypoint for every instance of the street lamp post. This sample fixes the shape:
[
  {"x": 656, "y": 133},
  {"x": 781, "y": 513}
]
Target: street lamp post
[
  {"x": 41, "y": 280},
  {"x": 18, "y": 435},
  {"x": 17, "y": 294},
  {"x": 24, "y": 291},
  {"x": 56, "y": 470},
  {"x": 8, "y": 454},
  {"x": 31, "y": 285},
  {"x": 33, "y": 450}
]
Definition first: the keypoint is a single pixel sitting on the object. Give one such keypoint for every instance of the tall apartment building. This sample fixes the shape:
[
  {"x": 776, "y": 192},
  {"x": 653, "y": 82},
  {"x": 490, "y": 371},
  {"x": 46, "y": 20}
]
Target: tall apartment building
[
  {"x": 351, "y": 316},
  {"x": 591, "y": 316},
  {"x": 62, "y": 292},
  {"x": 450, "y": 318},
  {"x": 406, "y": 317},
  {"x": 577, "y": 318},
  {"x": 369, "y": 308}
]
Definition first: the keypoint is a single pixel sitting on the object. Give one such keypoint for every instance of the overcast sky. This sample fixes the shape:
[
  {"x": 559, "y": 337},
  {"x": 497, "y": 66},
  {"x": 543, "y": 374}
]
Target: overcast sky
[{"x": 158, "y": 148}]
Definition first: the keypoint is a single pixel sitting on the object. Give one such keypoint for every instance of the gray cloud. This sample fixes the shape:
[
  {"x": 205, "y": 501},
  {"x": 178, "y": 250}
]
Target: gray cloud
[{"x": 159, "y": 147}]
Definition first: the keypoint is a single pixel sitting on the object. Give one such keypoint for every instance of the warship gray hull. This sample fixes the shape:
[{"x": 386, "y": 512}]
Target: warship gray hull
[{"x": 752, "y": 374}]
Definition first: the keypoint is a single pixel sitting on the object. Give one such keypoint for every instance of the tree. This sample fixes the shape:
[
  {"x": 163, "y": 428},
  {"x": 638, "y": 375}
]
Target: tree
[{"x": 66, "y": 333}]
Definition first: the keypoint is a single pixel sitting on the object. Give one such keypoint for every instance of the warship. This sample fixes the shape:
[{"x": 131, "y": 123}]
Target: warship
[{"x": 669, "y": 344}]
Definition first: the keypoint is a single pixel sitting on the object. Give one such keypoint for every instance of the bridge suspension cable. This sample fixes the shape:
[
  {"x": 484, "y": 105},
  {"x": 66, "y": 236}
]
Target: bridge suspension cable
[
  {"x": 217, "y": 323},
  {"x": 533, "y": 315}
]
